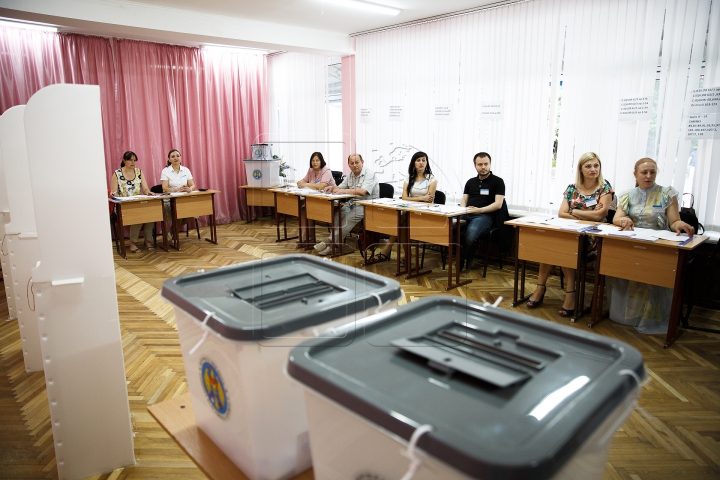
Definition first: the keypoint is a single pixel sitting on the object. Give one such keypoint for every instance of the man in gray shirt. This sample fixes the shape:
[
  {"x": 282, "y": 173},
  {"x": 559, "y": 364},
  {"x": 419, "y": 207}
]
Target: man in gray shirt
[{"x": 360, "y": 181}]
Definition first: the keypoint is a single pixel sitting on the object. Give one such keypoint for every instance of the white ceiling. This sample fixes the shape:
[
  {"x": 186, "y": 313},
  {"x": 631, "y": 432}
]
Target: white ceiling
[{"x": 300, "y": 25}]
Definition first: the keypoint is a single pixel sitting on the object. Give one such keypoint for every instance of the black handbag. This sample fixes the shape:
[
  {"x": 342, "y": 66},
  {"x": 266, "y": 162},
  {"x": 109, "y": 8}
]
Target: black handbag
[{"x": 687, "y": 215}]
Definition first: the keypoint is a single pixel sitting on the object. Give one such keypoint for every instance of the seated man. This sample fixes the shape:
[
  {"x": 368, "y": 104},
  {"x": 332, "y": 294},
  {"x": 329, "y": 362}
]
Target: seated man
[
  {"x": 485, "y": 193},
  {"x": 360, "y": 181}
]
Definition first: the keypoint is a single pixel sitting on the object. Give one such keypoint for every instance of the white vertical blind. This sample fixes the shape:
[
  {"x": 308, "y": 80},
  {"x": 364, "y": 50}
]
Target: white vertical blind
[
  {"x": 707, "y": 172},
  {"x": 601, "y": 51},
  {"x": 299, "y": 117}
]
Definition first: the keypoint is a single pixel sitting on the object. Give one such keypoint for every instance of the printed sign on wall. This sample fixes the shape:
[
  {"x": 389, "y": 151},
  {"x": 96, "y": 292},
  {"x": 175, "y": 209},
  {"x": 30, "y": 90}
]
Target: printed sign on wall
[
  {"x": 443, "y": 111},
  {"x": 366, "y": 115},
  {"x": 705, "y": 100},
  {"x": 635, "y": 108},
  {"x": 397, "y": 113},
  {"x": 491, "y": 110},
  {"x": 703, "y": 126}
]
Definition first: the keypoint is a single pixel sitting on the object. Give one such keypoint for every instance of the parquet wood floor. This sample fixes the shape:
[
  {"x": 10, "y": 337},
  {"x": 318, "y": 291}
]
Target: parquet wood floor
[{"x": 674, "y": 434}]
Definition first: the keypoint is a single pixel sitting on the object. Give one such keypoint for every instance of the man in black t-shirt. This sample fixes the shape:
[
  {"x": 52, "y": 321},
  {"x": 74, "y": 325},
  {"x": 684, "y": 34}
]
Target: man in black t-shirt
[{"x": 485, "y": 193}]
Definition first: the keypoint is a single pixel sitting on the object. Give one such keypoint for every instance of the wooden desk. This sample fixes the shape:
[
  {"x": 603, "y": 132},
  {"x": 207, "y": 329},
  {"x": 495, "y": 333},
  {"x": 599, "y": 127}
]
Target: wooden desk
[
  {"x": 659, "y": 263},
  {"x": 553, "y": 246},
  {"x": 289, "y": 202},
  {"x": 437, "y": 228},
  {"x": 325, "y": 208},
  {"x": 191, "y": 205},
  {"x": 389, "y": 220},
  {"x": 177, "y": 418},
  {"x": 257, "y": 197},
  {"x": 133, "y": 212}
]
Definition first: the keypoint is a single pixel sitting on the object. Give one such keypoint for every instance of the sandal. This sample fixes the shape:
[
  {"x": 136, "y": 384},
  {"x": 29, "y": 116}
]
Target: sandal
[
  {"x": 150, "y": 247},
  {"x": 381, "y": 257},
  {"x": 537, "y": 303},
  {"x": 133, "y": 248},
  {"x": 564, "y": 312}
]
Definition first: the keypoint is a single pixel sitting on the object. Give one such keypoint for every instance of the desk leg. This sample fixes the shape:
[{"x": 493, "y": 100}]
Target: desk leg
[
  {"x": 175, "y": 224},
  {"x": 163, "y": 231},
  {"x": 401, "y": 233},
  {"x": 301, "y": 224},
  {"x": 579, "y": 281},
  {"x": 333, "y": 233},
  {"x": 598, "y": 290},
  {"x": 517, "y": 267},
  {"x": 673, "y": 333},
  {"x": 457, "y": 283},
  {"x": 213, "y": 225},
  {"x": 247, "y": 210},
  {"x": 311, "y": 233},
  {"x": 277, "y": 220},
  {"x": 121, "y": 231}
]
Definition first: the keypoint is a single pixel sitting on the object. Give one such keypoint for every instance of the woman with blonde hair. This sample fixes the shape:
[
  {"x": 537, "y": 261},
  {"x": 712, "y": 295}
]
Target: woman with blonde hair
[
  {"x": 648, "y": 205},
  {"x": 586, "y": 199}
]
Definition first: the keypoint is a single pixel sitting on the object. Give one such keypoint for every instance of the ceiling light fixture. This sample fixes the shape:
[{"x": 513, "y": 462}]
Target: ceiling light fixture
[
  {"x": 7, "y": 22},
  {"x": 369, "y": 6}
]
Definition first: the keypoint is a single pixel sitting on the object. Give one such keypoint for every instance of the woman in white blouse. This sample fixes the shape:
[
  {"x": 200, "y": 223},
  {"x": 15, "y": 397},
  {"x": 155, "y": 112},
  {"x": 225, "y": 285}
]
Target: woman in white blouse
[
  {"x": 420, "y": 187},
  {"x": 175, "y": 178}
]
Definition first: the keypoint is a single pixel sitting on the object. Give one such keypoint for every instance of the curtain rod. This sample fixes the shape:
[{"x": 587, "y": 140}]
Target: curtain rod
[{"x": 444, "y": 16}]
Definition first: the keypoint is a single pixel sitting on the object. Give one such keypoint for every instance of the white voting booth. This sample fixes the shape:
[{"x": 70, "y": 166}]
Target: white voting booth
[
  {"x": 21, "y": 243},
  {"x": 4, "y": 261},
  {"x": 74, "y": 284}
]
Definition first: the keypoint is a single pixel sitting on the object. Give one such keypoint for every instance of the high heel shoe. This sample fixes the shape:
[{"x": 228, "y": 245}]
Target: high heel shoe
[
  {"x": 564, "y": 312},
  {"x": 537, "y": 303}
]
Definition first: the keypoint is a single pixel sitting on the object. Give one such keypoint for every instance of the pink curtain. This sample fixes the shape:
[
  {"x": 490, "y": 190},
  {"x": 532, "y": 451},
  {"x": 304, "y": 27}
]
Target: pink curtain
[{"x": 210, "y": 106}]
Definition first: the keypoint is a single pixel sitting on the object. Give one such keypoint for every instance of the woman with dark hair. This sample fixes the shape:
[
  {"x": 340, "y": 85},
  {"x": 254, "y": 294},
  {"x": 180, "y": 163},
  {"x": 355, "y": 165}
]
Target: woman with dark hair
[
  {"x": 319, "y": 175},
  {"x": 175, "y": 178},
  {"x": 420, "y": 187},
  {"x": 126, "y": 182}
]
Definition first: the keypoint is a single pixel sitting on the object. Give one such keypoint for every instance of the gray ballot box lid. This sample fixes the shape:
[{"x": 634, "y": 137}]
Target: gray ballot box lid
[
  {"x": 508, "y": 396},
  {"x": 274, "y": 297}
]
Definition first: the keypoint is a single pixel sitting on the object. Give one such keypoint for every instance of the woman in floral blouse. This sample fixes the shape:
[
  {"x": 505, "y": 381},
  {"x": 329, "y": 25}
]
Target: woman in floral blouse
[
  {"x": 128, "y": 181},
  {"x": 586, "y": 199}
]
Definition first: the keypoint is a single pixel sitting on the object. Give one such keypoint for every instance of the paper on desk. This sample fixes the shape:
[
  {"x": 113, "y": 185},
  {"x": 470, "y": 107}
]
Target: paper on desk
[
  {"x": 671, "y": 236},
  {"x": 451, "y": 209},
  {"x": 385, "y": 201},
  {"x": 607, "y": 227},
  {"x": 536, "y": 219},
  {"x": 131, "y": 197}
]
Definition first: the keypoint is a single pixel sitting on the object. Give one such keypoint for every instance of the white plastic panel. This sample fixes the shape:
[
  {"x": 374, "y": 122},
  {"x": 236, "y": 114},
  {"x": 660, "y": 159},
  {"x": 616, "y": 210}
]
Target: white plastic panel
[
  {"x": 79, "y": 324},
  {"x": 22, "y": 255},
  {"x": 5, "y": 218}
]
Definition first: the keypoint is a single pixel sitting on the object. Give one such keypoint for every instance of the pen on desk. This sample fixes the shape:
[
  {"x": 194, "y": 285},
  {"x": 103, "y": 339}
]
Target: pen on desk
[{"x": 685, "y": 242}]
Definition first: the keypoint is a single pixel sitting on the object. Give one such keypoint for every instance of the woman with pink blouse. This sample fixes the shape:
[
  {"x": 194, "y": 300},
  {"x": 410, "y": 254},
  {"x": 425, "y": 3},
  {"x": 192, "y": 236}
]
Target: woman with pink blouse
[{"x": 319, "y": 175}]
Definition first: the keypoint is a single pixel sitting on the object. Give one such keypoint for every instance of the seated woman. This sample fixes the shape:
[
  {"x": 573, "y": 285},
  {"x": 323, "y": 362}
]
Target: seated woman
[
  {"x": 175, "y": 178},
  {"x": 648, "y": 205},
  {"x": 126, "y": 182},
  {"x": 420, "y": 187},
  {"x": 586, "y": 199},
  {"x": 318, "y": 175}
]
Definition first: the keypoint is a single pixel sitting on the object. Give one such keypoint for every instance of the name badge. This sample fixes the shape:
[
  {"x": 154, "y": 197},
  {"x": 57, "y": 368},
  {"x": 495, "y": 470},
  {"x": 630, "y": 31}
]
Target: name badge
[
  {"x": 658, "y": 209},
  {"x": 590, "y": 202},
  {"x": 484, "y": 191}
]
